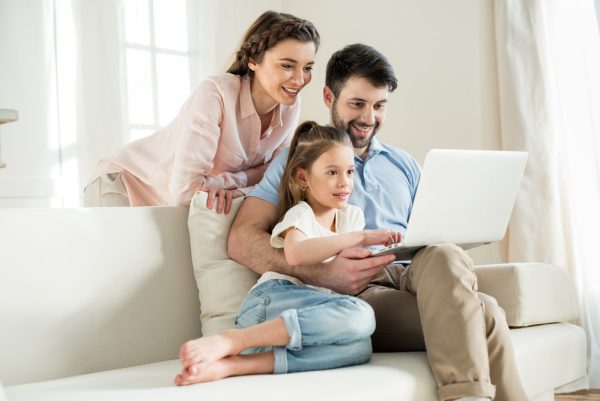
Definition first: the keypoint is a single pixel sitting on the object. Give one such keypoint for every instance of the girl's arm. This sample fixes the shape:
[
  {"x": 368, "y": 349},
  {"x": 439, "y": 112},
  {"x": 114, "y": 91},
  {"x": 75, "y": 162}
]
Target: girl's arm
[{"x": 300, "y": 250}]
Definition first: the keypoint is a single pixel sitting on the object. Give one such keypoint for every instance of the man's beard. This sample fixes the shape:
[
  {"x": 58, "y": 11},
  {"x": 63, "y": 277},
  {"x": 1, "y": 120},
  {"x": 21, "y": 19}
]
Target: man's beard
[{"x": 357, "y": 143}]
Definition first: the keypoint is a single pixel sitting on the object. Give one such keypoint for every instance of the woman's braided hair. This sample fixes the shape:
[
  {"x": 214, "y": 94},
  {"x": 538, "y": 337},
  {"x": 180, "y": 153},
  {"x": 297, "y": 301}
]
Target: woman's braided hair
[{"x": 268, "y": 30}]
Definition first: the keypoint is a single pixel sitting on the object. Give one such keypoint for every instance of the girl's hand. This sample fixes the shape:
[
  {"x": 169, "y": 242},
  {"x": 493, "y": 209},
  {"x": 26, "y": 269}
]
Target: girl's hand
[
  {"x": 224, "y": 198},
  {"x": 380, "y": 237}
]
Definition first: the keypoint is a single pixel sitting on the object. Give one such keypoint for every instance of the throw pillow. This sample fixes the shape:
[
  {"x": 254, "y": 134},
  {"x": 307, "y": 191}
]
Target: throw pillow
[{"x": 222, "y": 283}]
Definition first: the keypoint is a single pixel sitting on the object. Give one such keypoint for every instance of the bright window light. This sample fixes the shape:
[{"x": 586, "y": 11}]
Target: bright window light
[
  {"x": 139, "y": 87},
  {"x": 157, "y": 63},
  {"x": 137, "y": 26},
  {"x": 173, "y": 84},
  {"x": 170, "y": 24}
]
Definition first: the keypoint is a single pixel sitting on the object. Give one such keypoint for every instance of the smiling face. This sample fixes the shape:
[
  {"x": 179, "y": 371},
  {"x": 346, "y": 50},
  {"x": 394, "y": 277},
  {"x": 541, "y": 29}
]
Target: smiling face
[
  {"x": 359, "y": 110},
  {"x": 284, "y": 70},
  {"x": 330, "y": 179}
]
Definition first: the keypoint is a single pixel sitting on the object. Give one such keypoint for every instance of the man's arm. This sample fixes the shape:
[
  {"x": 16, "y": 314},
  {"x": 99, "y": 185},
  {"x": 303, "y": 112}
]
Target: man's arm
[
  {"x": 250, "y": 244},
  {"x": 249, "y": 240}
]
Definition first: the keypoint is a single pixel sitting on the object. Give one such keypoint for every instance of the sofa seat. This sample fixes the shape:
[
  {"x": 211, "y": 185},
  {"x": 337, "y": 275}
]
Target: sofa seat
[
  {"x": 389, "y": 376},
  {"x": 95, "y": 303}
]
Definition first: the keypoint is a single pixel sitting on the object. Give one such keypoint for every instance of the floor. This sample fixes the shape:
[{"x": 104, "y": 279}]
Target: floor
[{"x": 580, "y": 396}]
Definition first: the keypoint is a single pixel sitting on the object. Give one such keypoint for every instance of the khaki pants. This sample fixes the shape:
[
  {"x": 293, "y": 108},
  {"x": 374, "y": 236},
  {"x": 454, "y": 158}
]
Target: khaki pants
[
  {"x": 434, "y": 304},
  {"x": 106, "y": 191}
]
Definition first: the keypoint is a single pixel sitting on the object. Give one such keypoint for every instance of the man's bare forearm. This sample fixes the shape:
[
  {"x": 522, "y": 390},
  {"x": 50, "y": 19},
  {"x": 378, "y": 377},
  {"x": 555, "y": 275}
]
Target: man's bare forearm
[
  {"x": 253, "y": 249},
  {"x": 249, "y": 243}
]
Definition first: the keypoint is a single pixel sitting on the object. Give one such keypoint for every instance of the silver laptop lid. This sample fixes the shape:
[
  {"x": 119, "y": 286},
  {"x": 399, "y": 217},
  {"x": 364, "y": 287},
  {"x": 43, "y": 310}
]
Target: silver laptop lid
[{"x": 465, "y": 196}]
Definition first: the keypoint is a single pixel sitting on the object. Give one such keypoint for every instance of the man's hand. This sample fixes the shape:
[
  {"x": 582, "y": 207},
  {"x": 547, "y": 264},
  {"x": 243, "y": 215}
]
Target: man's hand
[
  {"x": 224, "y": 198},
  {"x": 351, "y": 271}
]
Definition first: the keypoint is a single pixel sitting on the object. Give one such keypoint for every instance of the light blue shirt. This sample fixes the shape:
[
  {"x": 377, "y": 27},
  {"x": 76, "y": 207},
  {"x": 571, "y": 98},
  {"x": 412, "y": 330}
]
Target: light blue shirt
[{"x": 385, "y": 184}]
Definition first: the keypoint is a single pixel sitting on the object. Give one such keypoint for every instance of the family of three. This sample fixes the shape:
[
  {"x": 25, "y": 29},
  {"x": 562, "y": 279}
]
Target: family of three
[{"x": 316, "y": 200}]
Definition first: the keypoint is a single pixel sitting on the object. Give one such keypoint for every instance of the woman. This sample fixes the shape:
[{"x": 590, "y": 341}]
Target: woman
[{"x": 226, "y": 133}]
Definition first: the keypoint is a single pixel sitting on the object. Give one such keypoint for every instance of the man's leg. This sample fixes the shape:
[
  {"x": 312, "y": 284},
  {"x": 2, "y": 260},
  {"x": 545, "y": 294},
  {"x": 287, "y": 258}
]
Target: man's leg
[
  {"x": 464, "y": 334},
  {"x": 503, "y": 370},
  {"x": 396, "y": 313}
]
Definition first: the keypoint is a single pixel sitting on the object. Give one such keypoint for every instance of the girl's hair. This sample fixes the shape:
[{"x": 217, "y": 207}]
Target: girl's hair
[
  {"x": 310, "y": 141},
  {"x": 269, "y": 29}
]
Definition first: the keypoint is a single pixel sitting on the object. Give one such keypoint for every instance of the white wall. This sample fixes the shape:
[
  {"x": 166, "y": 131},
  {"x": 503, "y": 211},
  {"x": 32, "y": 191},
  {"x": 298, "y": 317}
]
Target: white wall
[{"x": 444, "y": 56}]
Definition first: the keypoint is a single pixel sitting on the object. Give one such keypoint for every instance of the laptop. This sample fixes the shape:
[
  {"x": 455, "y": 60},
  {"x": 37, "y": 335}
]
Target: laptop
[{"x": 464, "y": 197}]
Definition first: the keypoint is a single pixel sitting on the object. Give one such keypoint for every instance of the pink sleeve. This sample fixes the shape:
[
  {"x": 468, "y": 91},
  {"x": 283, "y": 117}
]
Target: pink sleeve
[{"x": 200, "y": 124}]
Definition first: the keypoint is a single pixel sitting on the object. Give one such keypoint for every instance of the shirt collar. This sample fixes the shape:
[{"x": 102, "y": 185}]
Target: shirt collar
[
  {"x": 374, "y": 148},
  {"x": 277, "y": 120},
  {"x": 247, "y": 105}
]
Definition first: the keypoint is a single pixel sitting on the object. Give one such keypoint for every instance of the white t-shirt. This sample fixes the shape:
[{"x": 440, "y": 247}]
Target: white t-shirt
[{"x": 302, "y": 217}]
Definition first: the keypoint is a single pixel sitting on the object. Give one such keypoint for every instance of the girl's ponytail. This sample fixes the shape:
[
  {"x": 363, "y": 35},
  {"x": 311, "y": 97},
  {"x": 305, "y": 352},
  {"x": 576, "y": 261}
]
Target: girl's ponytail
[{"x": 302, "y": 129}]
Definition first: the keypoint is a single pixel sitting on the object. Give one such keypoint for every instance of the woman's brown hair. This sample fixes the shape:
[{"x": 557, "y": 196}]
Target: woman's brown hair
[
  {"x": 269, "y": 29},
  {"x": 310, "y": 141}
]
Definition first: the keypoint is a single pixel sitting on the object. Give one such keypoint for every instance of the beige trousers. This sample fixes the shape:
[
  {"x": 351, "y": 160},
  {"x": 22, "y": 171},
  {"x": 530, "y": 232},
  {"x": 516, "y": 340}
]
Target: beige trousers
[
  {"x": 106, "y": 191},
  {"x": 433, "y": 304}
]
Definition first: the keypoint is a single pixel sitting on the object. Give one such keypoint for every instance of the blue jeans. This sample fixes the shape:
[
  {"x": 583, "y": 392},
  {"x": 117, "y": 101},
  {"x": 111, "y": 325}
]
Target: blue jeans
[{"x": 326, "y": 330}]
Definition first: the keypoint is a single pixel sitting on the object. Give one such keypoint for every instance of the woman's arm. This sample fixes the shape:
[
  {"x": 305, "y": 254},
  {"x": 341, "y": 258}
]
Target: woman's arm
[
  {"x": 200, "y": 122},
  {"x": 300, "y": 250}
]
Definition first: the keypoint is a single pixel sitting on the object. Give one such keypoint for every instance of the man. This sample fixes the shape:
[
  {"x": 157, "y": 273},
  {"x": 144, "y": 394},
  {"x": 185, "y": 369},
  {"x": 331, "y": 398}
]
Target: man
[{"x": 431, "y": 303}]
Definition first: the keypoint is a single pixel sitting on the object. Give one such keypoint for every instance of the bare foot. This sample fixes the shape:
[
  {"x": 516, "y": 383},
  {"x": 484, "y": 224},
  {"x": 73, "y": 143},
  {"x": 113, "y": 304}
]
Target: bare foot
[
  {"x": 204, "y": 372},
  {"x": 208, "y": 349}
]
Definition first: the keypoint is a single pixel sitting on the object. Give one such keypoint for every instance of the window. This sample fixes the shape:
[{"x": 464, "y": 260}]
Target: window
[{"x": 156, "y": 53}]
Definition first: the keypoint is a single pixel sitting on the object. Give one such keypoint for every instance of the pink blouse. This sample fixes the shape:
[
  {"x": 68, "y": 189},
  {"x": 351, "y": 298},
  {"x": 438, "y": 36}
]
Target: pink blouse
[{"x": 213, "y": 141}]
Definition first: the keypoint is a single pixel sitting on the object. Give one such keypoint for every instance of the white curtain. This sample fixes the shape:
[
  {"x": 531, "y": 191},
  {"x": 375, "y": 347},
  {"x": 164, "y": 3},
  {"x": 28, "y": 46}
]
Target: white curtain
[
  {"x": 548, "y": 54},
  {"x": 88, "y": 86}
]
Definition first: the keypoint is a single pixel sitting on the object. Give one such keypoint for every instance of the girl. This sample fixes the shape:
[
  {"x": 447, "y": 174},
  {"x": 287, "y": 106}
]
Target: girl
[
  {"x": 228, "y": 130},
  {"x": 285, "y": 325}
]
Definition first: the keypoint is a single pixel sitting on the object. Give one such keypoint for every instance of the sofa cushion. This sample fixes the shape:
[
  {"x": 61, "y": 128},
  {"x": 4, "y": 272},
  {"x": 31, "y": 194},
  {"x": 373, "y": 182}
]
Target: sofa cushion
[
  {"x": 87, "y": 290},
  {"x": 2, "y": 397},
  {"x": 548, "y": 356},
  {"x": 387, "y": 377},
  {"x": 530, "y": 293},
  {"x": 222, "y": 283}
]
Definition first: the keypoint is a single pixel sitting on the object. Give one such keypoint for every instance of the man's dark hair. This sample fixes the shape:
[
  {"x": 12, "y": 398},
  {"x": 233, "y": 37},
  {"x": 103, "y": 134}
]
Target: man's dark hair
[{"x": 362, "y": 61}]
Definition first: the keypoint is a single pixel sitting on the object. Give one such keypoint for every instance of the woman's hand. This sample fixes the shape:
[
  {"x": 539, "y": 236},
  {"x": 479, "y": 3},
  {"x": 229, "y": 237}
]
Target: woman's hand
[
  {"x": 380, "y": 237},
  {"x": 224, "y": 198}
]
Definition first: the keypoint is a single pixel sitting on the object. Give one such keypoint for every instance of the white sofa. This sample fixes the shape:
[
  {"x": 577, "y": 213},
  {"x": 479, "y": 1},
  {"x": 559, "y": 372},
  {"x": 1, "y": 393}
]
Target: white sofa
[{"x": 94, "y": 304}]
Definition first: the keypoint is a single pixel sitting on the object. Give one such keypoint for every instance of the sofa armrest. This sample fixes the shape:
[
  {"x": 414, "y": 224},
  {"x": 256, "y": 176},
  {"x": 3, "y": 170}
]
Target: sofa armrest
[{"x": 530, "y": 293}]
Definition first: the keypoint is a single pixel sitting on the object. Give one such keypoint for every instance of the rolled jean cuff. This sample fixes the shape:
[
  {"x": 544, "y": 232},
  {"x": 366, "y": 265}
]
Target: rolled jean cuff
[
  {"x": 290, "y": 319},
  {"x": 466, "y": 389},
  {"x": 280, "y": 365}
]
